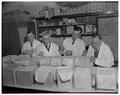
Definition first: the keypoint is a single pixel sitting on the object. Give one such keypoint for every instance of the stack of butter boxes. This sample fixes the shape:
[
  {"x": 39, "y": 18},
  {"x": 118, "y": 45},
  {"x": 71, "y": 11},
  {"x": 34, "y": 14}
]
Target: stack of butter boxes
[
  {"x": 66, "y": 72},
  {"x": 20, "y": 71}
]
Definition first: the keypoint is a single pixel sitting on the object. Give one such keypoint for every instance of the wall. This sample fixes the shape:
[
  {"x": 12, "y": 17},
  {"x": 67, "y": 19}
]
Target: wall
[
  {"x": 108, "y": 28},
  {"x": 32, "y": 7}
]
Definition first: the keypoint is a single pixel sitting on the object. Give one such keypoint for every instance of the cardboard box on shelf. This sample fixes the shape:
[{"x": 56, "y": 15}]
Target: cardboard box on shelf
[
  {"x": 45, "y": 77},
  {"x": 69, "y": 29},
  {"x": 56, "y": 61},
  {"x": 25, "y": 76},
  {"x": 64, "y": 77},
  {"x": 8, "y": 75},
  {"x": 82, "y": 78},
  {"x": 106, "y": 78}
]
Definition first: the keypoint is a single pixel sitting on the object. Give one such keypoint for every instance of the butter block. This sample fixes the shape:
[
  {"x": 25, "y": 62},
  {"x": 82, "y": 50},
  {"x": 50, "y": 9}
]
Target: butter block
[
  {"x": 83, "y": 61},
  {"x": 25, "y": 76},
  {"x": 80, "y": 61},
  {"x": 64, "y": 77},
  {"x": 106, "y": 78},
  {"x": 8, "y": 75},
  {"x": 68, "y": 61},
  {"x": 44, "y": 61},
  {"x": 82, "y": 78},
  {"x": 56, "y": 61},
  {"x": 44, "y": 77}
]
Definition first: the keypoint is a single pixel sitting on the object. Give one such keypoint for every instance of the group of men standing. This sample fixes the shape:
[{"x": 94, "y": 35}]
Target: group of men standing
[{"x": 98, "y": 52}]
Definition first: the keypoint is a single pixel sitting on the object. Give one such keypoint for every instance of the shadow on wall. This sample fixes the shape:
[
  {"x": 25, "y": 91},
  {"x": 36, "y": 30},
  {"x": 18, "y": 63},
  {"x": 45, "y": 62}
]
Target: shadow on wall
[{"x": 10, "y": 39}]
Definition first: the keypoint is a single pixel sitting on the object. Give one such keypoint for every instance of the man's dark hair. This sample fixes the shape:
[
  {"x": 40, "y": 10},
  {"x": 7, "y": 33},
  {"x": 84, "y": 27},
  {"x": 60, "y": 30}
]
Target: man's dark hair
[
  {"x": 30, "y": 32},
  {"x": 96, "y": 35},
  {"x": 76, "y": 28}
]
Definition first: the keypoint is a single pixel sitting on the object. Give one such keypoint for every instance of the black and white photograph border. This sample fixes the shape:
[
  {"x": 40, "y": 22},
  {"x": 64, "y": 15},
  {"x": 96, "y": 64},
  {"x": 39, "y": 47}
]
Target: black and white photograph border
[{"x": 60, "y": 47}]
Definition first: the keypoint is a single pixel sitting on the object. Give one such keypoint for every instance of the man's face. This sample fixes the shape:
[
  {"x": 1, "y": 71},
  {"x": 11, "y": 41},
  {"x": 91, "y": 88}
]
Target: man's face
[
  {"x": 75, "y": 36},
  {"x": 96, "y": 42},
  {"x": 31, "y": 37},
  {"x": 46, "y": 39}
]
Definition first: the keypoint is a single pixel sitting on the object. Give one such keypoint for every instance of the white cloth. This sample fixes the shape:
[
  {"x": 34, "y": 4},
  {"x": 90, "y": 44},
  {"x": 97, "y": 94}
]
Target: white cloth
[
  {"x": 41, "y": 75},
  {"x": 77, "y": 48},
  {"x": 106, "y": 78},
  {"x": 53, "y": 50},
  {"x": 65, "y": 73},
  {"x": 105, "y": 56},
  {"x": 36, "y": 44}
]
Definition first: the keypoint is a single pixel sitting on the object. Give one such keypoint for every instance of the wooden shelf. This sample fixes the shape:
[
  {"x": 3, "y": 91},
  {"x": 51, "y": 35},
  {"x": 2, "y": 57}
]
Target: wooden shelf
[
  {"x": 108, "y": 15},
  {"x": 78, "y": 15},
  {"x": 72, "y": 15},
  {"x": 68, "y": 35},
  {"x": 56, "y": 26}
]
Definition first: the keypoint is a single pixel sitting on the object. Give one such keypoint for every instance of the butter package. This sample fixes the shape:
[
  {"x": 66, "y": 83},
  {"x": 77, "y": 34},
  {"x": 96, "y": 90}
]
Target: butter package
[
  {"x": 106, "y": 78},
  {"x": 68, "y": 61},
  {"x": 9, "y": 74},
  {"x": 80, "y": 61},
  {"x": 56, "y": 61},
  {"x": 44, "y": 61},
  {"x": 25, "y": 76},
  {"x": 64, "y": 77},
  {"x": 83, "y": 61},
  {"x": 26, "y": 62},
  {"x": 45, "y": 77},
  {"x": 82, "y": 78}
]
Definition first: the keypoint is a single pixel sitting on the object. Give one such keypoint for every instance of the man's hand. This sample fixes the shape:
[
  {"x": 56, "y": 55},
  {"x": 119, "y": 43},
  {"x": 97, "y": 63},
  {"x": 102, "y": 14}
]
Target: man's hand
[
  {"x": 40, "y": 54},
  {"x": 92, "y": 59},
  {"x": 69, "y": 53},
  {"x": 84, "y": 53},
  {"x": 62, "y": 52}
]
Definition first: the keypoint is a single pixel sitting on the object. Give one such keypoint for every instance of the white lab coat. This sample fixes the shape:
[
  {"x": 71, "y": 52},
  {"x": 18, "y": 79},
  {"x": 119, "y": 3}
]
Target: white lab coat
[
  {"x": 53, "y": 51},
  {"x": 36, "y": 45},
  {"x": 77, "y": 48},
  {"x": 105, "y": 56}
]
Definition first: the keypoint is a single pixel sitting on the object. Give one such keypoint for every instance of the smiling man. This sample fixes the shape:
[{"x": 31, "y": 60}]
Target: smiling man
[
  {"x": 100, "y": 53},
  {"x": 74, "y": 45}
]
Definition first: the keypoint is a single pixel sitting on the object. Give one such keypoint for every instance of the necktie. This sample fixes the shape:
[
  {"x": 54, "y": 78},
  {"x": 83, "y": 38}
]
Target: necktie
[
  {"x": 73, "y": 42},
  {"x": 48, "y": 47},
  {"x": 31, "y": 44},
  {"x": 96, "y": 53}
]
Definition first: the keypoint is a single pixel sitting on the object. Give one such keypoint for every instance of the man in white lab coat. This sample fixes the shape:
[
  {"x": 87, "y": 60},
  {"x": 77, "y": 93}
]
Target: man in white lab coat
[
  {"x": 100, "y": 53},
  {"x": 30, "y": 47},
  {"x": 74, "y": 45},
  {"x": 49, "y": 48}
]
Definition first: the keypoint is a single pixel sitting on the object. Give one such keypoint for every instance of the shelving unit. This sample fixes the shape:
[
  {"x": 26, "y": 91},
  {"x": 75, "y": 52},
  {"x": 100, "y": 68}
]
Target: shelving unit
[{"x": 85, "y": 19}]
